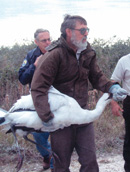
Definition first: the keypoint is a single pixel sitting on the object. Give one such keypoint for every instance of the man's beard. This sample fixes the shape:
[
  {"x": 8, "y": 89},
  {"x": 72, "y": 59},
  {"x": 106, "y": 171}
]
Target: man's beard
[{"x": 78, "y": 44}]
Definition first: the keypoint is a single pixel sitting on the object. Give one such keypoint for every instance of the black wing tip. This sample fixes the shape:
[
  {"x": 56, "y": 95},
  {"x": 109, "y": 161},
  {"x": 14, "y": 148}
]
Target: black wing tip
[
  {"x": 110, "y": 96},
  {"x": 2, "y": 119}
]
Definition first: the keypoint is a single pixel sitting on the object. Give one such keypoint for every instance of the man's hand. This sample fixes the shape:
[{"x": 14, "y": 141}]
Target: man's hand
[
  {"x": 119, "y": 93},
  {"x": 48, "y": 124},
  {"x": 36, "y": 62},
  {"x": 116, "y": 109},
  {"x": 49, "y": 118}
]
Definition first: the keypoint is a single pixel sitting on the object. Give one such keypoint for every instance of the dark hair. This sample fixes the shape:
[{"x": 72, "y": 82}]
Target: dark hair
[
  {"x": 39, "y": 31},
  {"x": 70, "y": 22}
]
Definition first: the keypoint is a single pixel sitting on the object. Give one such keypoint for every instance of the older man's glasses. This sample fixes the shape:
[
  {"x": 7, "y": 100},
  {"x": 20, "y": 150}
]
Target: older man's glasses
[
  {"x": 45, "y": 40},
  {"x": 82, "y": 30}
]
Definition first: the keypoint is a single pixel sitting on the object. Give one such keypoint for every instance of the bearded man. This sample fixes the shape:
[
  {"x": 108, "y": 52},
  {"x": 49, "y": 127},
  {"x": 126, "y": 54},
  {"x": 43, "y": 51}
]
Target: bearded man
[{"x": 68, "y": 65}]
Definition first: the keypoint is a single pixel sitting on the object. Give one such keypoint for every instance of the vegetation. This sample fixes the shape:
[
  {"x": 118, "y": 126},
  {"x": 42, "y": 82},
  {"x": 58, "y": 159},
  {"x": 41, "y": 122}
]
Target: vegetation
[
  {"x": 108, "y": 53},
  {"x": 10, "y": 62}
]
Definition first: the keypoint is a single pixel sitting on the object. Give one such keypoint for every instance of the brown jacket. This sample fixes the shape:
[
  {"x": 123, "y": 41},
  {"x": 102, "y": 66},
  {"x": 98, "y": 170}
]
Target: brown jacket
[{"x": 59, "y": 67}]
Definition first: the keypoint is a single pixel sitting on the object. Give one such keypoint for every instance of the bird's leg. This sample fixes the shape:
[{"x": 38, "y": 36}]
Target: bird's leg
[
  {"x": 32, "y": 141},
  {"x": 53, "y": 154},
  {"x": 20, "y": 156}
]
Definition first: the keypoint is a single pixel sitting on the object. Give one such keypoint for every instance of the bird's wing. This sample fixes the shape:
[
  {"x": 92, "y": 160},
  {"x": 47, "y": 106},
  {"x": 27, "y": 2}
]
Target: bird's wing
[
  {"x": 57, "y": 100},
  {"x": 25, "y": 102},
  {"x": 28, "y": 119}
]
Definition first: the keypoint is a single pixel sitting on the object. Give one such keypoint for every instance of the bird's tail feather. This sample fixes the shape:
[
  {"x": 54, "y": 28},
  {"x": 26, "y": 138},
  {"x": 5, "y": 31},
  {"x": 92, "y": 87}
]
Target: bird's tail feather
[
  {"x": 3, "y": 113},
  {"x": 2, "y": 120}
]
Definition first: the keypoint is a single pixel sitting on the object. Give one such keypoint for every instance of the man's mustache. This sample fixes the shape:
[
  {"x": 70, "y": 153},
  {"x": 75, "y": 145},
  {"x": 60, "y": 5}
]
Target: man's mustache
[{"x": 84, "y": 38}]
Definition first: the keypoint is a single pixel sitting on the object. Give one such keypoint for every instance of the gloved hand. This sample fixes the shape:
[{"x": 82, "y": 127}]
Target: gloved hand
[
  {"x": 119, "y": 93},
  {"x": 48, "y": 124}
]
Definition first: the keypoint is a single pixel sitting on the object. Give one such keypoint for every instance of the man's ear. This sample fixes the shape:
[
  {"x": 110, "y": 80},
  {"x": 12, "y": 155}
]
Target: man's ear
[
  {"x": 68, "y": 32},
  {"x": 36, "y": 42}
]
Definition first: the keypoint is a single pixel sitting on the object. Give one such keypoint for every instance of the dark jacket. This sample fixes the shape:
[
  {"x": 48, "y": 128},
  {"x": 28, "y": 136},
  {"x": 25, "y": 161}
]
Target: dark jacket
[
  {"x": 61, "y": 69},
  {"x": 27, "y": 69}
]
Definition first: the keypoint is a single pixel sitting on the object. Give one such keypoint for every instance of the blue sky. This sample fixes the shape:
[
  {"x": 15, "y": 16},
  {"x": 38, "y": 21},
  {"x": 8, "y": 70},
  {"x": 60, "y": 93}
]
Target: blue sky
[{"x": 20, "y": 18}]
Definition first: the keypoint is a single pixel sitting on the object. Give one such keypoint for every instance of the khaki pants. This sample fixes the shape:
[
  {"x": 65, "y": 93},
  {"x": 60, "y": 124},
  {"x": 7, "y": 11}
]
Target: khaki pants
[{"x": 80, "y": 137}]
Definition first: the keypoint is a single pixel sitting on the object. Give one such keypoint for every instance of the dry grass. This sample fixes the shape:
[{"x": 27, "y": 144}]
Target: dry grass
[{"x": 109, "y": 131}]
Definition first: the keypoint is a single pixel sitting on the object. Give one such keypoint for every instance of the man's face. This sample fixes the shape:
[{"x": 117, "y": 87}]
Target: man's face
[
  {"x": 43, "y": 41},
  {"x": 79, "y": 35}
]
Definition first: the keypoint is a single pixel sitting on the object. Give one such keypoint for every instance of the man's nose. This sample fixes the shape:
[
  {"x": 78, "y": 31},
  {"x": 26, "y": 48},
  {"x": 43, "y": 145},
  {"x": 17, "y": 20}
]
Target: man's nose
[{"x": 86, "y": 33}]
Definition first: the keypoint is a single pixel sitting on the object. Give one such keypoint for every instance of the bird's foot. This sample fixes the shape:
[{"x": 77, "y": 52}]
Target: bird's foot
[{"x": 20, "y": 162}]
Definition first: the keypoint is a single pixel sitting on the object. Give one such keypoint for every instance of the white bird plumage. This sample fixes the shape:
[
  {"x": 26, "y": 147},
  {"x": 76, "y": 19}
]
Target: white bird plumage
[{"x": 66, "y": 112}]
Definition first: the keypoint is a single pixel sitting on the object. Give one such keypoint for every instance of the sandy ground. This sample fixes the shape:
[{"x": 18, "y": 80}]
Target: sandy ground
[
  {"x": 107, "y": 163},
  {"x": 111, "y": 163}
]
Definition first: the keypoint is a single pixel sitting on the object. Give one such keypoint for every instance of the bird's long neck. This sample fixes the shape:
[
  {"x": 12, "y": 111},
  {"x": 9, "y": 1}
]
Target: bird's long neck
[{"x": 91, "y": 115}]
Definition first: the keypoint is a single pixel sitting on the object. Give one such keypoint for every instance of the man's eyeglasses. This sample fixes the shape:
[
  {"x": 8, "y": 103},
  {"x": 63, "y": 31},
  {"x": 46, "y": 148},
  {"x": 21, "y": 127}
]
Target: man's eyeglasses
[
  {"x": 45, "y": 40},
  {"x": 82, "y": 30}
]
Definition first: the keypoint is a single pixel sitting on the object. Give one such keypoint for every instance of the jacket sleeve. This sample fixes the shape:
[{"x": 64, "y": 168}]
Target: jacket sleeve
[
  {"x": 43, "y": 78},
  {"x": 26, "y": 71}
]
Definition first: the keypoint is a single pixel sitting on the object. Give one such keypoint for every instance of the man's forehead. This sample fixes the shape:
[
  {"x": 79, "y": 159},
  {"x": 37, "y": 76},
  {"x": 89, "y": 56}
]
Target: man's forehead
[
  {"x": 81, "y": 24},
  {"x": 44, "y": 34}
]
